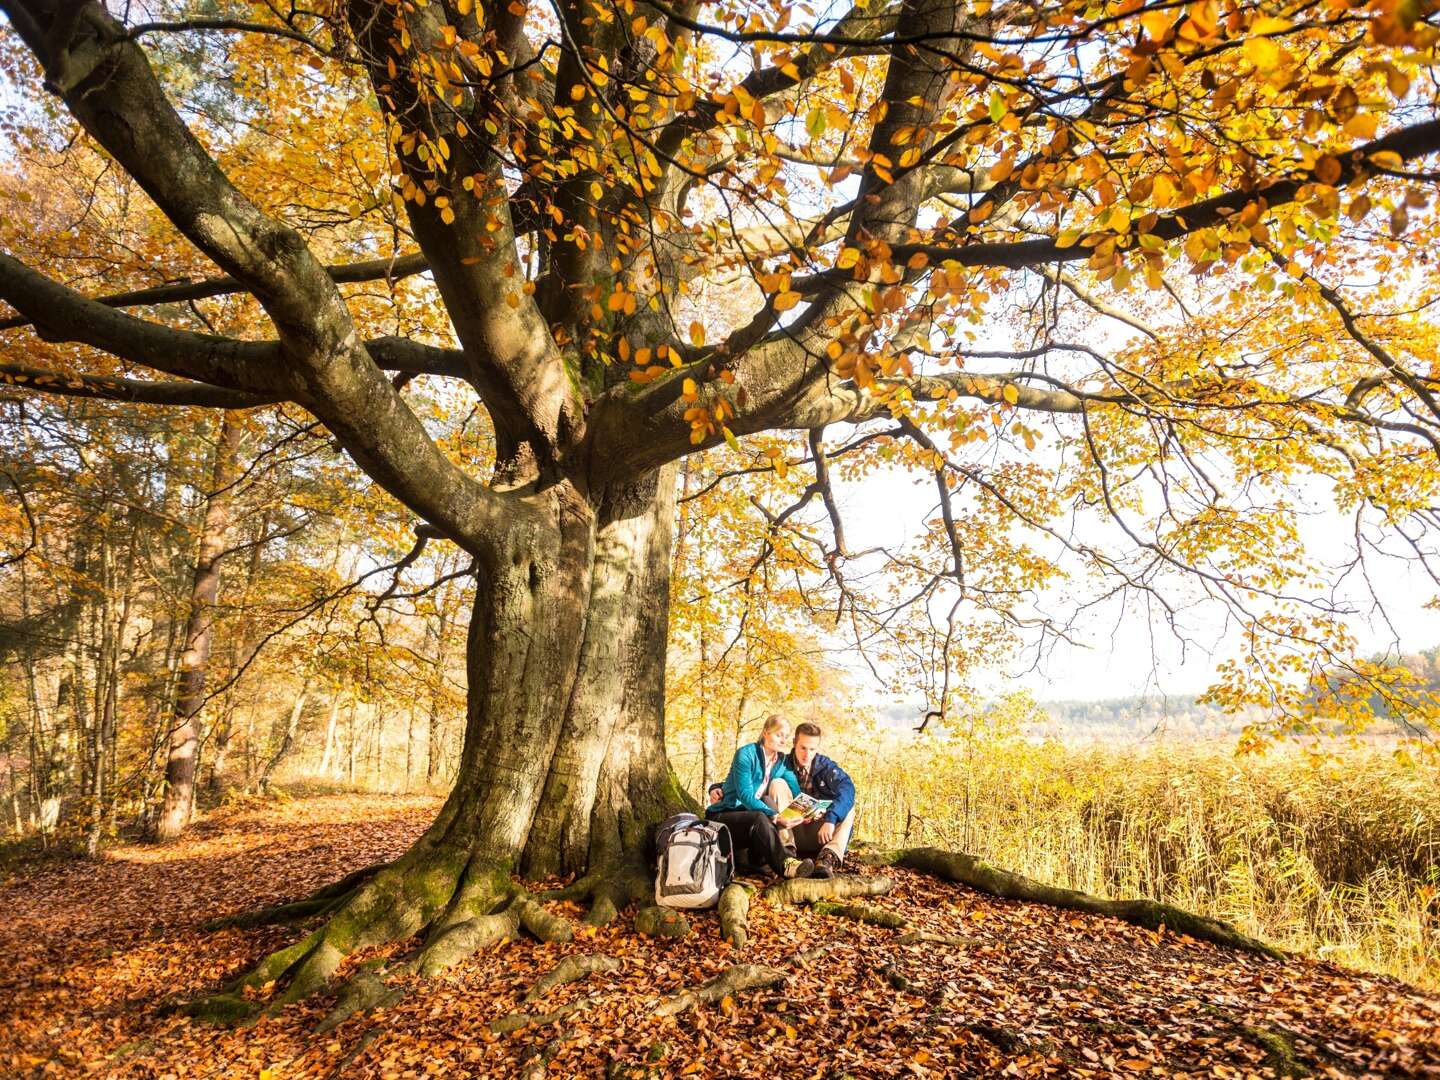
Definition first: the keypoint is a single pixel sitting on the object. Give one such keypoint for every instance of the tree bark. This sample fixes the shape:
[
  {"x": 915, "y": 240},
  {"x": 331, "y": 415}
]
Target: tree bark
[{"x": 181, "y": 764}]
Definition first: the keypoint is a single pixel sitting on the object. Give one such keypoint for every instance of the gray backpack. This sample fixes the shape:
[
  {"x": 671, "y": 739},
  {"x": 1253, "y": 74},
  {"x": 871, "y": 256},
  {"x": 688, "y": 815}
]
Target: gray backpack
[{"x": 696, "y": 861}]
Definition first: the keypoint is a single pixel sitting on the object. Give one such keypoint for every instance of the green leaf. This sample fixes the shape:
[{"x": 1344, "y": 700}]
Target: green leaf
[{"x": 815, "y": 122}]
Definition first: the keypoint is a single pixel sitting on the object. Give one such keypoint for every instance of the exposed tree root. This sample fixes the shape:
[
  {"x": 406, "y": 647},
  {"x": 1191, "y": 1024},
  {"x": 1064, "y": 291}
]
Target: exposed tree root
[
  {"x": 865, "y": 913},
  {"x": 842, "y": 887},
  {"x": 355, "y": 1051},
  {"x": 1001, "y": 1038},
  {"x": 1281, "y": 1046},
  {"x": 1280, "y": 1053},
  {"x": 543, "y": 924},
  {"x": 734, "y": 909},
  {"x": 227, "y": 1010},
  {"x": 612, "y": 892},
  {"x": 456, "y": 902},
  {"x": 805, "y": 957},
  {"x": 537, "y": 1064},
  {"x": 655, "y": 921},
  {"x": 739, "y": 978},
  {"x": 896, "y": 978},
  {"x": 503, "y": 1025},
  {"x": 460, "y": 940},
  {"x": 968, "y": 870},
  {"x": 320, "y": 902},
  {"x": 569, "y": 970},
  {"x": 280, "y": 913},
  {"x": 367, "y": 990},
  {"x": 462, "y": 905}
]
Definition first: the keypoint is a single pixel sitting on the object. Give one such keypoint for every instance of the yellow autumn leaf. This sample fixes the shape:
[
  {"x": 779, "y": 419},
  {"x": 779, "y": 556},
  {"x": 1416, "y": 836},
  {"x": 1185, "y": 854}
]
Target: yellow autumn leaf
[
  {"x": 1269, "y": 24},
  {"x": 787, "y": 300},
  {"x": 1011, "y": 394},
  {"x": 848, "y": 257},
  {"x": 1157, "y": 24},
  {"x": 1263, "y": 53},
  {"x": 1362, "y": 125}
]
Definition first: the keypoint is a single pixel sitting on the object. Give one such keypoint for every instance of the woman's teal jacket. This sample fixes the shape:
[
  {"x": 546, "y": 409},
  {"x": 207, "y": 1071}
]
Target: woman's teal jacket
[{"x": 746, "y": 772}]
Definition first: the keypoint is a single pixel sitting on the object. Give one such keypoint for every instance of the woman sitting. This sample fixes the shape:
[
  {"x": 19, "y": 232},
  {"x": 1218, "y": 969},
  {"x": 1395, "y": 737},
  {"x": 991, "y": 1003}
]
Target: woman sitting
[{"x": 759, "y": 786}]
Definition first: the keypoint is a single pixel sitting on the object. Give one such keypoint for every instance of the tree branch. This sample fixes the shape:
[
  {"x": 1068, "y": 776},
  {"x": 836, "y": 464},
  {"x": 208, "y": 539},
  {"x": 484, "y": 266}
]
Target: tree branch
[
  {"x": 1412, "y": 142},
  {"x": 391, "y": 269},
  {"x": 135, "y": 391},
  {"x": 62, "y": 314}
]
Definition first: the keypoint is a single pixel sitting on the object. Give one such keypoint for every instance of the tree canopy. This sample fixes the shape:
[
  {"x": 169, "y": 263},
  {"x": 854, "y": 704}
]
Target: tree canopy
[{"x": 1204, "y": 229}]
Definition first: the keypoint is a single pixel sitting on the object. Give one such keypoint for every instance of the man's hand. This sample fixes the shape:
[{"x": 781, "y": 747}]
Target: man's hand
[{"x": 827, "y": 833}]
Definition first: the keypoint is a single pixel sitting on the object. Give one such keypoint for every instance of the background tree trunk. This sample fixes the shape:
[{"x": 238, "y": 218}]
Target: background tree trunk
[
  {"x": 329, "y": 751},
  {"x": 434, "y": 745},
  {"x": 185, "y": 729},
  {"x": 287, "y": 738}
]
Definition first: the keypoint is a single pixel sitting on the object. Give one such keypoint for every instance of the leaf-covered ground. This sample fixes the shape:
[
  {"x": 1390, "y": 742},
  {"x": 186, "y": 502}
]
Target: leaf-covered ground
[{"x": 94, "y": 951}]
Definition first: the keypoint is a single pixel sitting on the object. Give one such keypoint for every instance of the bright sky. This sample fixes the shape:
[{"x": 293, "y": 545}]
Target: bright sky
[{"x": 1124, "y": 651}]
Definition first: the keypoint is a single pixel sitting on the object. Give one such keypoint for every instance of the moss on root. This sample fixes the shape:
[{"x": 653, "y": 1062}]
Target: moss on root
[
  {"x": 655, "y": 921},
  {"x": 226, "y": 1010},
  {"x": 864, "y": 913},
  {"x": 734, "y": 911},
  {"x": 457, "y": 902},
  {"x": 843, "y": 887},
  {"x": 613, "y": 891},
  {"x": 1280, "y": 1053}
]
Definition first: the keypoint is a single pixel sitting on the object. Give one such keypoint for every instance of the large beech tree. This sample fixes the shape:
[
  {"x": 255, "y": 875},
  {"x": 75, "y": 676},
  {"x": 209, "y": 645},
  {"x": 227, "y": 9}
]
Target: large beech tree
[{"x": 655, "y": 228}]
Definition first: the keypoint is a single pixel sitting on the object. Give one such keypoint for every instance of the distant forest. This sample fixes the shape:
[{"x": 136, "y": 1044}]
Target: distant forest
[{"x": 1177, "y": 716}]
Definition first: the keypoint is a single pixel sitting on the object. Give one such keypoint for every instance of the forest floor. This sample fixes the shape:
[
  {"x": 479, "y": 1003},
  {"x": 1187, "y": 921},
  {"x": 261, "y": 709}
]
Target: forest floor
[{"x": 95, "y": 951}]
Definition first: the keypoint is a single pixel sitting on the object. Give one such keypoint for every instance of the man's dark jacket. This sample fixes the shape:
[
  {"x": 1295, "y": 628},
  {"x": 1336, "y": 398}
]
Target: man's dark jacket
[{"x": 827, "y": 781}]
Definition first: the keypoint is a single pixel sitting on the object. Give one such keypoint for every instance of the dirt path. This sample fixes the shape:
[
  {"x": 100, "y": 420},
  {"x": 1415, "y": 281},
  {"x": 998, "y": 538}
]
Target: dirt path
[{"x": 94, "y": 950}]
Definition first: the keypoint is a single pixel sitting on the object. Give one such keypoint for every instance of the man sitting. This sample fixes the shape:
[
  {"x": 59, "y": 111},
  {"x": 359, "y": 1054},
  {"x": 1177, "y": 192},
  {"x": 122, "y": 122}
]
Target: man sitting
[{"x": 821, "y": 778}]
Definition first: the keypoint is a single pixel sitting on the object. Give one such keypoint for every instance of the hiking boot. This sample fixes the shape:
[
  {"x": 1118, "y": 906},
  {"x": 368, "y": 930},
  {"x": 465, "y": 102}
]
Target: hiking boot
[
  {"x": 828, "y": 864},
  {"x": 799, "y": 868}
]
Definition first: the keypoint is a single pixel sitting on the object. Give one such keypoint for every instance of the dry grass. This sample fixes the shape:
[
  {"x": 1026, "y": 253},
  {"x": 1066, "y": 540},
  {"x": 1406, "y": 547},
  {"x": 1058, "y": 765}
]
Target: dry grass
[{"x": 1338, "y": 858}]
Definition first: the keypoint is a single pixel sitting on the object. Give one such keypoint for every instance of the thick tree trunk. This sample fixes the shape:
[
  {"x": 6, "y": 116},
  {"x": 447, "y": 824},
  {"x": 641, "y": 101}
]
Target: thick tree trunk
[
  {"x": 563, "y": 768},
  {"x": 185, "y": 727},
  {"x": 608, "y": 780}
]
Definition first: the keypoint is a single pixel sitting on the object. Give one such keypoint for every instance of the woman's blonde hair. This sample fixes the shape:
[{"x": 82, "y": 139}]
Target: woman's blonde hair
[{"x": 773, "y": 721}]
